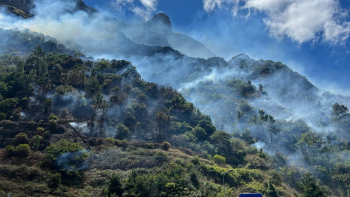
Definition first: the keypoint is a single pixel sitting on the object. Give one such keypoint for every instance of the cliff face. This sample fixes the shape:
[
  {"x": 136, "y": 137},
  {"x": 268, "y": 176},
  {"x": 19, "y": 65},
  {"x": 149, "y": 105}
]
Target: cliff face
[{"x": 23, "y": 7}]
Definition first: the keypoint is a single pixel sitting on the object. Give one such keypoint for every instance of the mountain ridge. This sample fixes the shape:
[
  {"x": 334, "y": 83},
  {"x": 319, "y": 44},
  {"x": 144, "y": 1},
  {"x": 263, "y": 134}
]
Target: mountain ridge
[
  {"x": 264, "y": 120},
  {"x": 23, "y": 7}
]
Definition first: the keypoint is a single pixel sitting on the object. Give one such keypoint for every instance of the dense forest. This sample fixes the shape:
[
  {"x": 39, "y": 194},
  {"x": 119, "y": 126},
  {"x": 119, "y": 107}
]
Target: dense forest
[{"x": 157, "y": 122}]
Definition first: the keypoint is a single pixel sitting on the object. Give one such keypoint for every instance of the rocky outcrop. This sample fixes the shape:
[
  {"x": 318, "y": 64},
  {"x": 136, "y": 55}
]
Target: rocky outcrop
[{"x": 23, "y": 7}]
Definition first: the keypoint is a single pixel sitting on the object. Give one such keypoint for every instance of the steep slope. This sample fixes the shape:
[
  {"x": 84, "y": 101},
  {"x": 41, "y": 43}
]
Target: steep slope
[
  {"x": 57, "y": 111},
  {"x": 23, "y": 5},
  {"x": 158, "y": 32}
]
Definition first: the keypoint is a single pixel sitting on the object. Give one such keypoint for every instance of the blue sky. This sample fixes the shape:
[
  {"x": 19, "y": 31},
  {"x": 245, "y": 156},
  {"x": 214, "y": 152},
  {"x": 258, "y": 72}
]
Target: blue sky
[{"x": 317, "y": 51}]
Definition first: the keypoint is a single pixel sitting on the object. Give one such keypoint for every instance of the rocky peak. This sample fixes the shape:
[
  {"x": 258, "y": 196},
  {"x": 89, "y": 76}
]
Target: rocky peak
[{"x": 160, "y": 23}]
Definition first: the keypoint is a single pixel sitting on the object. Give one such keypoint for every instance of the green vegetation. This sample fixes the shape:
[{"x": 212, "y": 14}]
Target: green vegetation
[
  {"x": 23, "y": 150},
  {"x": 72, "y": 127},
  {"x": 219, "y": 159}
]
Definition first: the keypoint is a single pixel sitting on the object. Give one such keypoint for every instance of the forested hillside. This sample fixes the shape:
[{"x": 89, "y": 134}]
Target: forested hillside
[
  {"x": 96, "y": 115},
  {"x": 132, "y": 113}
]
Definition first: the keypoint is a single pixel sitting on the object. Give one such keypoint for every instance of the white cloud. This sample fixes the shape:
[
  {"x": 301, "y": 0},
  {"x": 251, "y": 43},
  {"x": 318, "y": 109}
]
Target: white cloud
[
  {"x": 209, "y": 5},
  {"x": 147, "y": 8},
  {"x": 119, "y": 3},
  {"x": 149, "y": 3},
  {"x": 300, "y": 20}
]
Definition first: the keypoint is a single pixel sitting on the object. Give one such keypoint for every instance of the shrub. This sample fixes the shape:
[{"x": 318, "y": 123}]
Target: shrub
[
  {"x": 10, "y": 151},
  {"x": 53, "y": 124},
  {"x": 23, "y": 150},
  {"x": 109, "y": 141},
  {"x": 195, "y": 160},
  {"x": 2, "y": 193},
  {"x": 64, "y": 113},
  {"x": 161, "y": 157},
  {"x": 53, "y": 117},
  {"x": 219, "y": 159},
  {"x": 124, "y": 143},
  {"x": 256, "y": 162},
  {"x": 194, "y": 180},
  {"x": 21, "y": 138},
  {"x": 41, "y": 131},
  {"x": 170, "y": 186},
  {"x": 48, "y": 105},
  {"x": 271, "y": 190},
  {"x": 247, "y": 137},
  {"x": 2, "y": 116},
  {"x": 52, "y": 152},
  {"x": 149, "y": 145},
  {"x": 36, "y": 142},
  {"x": 118, "y": 142},
  {"x": 122, "y": 131},
  {"x": 200, "y": 133},
  {"x": 166, "y": 146},
  {"x": 55, "y": 180},
  {"x": 115, "y": 187}
]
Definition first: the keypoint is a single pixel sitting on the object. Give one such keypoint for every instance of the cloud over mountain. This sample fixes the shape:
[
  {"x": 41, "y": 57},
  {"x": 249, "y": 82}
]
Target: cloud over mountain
[
  {"x": 143, "y": 8},
  {"x": 299, "y": 20}
]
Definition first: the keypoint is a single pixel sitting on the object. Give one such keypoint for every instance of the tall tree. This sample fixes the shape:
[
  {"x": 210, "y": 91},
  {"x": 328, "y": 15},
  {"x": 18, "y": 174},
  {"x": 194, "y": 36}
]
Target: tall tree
[
  {"x": 310, "y": 187},
  {"x": 340, "y": 114}
]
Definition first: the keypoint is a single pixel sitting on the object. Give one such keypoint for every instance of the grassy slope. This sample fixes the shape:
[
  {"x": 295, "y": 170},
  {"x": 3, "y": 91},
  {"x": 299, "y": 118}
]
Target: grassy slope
[{"x": 24, "y": 177}]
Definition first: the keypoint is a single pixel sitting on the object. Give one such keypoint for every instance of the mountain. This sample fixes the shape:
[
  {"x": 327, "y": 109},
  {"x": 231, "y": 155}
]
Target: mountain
[
  {"x": 158, "y": 32},
  {"x": 127, "y": 112},
  {"x": 23, "y": 7},
  {"x": 74, "y": 123}
]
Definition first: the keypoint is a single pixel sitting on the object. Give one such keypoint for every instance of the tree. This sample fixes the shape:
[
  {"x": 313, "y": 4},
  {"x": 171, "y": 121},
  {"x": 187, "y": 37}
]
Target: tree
[
  {"x": 71, "y": 156},
  {"x": 64, "y": 113},
  {"x": 76, "y": 76},
  {"x": 200, "y": 133},
  {"x": 219, "y": 159},
  {"x": 222, "y": 141},
  {"x": 21, "y": 138},
  {"x": 115, "y": 187},
  {"x": 310, "y": 187},
  {"x": 92, "y": 86},
  {"x": 38, "y": 52},
  {"x": 261, "y": 88},
  {"x": 263, "y": 117},
  {"x": 55, "y": 180},
  {"x": 247, "y": 136},
  {"x": 113, "y": 99},
  {"x": 340, "y": 114},
  {"x": 163, "y": 121},
  {"x": 36, "y": 141},
  {"x": 55, "y": 74},
  {"x": 208, "y": 126},
  {"x": 98, "y": 98},
  {"x": 271, "y": 190},
  {"x": 240, "y": 115},
  {"x": 10, "y": 151},
  {"x": 104, "y": 108},
  {"x": 273, "y": 130},
  {"x": 23, "y": 150},
  {"x": 48, "y": 105},
  {"x": 166, "y": 146},
  {"x": 42, "y": 132},
  {"x": 8, "y": 105},
  {"x": 122, "y": 131}
]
